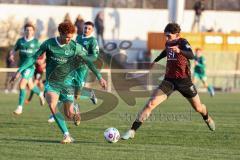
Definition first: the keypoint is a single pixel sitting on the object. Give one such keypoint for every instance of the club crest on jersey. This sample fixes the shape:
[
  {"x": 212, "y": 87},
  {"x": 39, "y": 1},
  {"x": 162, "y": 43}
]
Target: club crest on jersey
[{"x": 68, "y": 52}]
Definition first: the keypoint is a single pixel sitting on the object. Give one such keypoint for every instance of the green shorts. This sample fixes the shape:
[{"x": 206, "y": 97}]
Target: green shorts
[
  {"x": 201, "y": 76},
  {"x": 65, "y": 92},
  {"x": 28, "y": 73}
]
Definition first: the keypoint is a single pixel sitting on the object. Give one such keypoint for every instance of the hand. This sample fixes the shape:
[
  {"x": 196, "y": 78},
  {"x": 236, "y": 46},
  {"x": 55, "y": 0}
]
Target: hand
[
  {"x": 14, "y": 77},
  {"x": 103, "y": 83},
  {"x": 175, "y": 49}
]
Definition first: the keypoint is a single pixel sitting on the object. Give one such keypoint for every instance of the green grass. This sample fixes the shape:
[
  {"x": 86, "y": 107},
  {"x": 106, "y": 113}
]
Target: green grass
[{"x": 173, "y": 132}]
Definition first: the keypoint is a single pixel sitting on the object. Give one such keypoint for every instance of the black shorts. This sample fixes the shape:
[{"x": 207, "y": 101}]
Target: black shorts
[{"x": 184, "y": 86}]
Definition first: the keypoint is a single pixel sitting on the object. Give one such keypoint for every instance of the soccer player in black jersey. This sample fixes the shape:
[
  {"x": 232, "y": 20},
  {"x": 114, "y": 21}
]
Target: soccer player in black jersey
[{"x": 177, "y": 77}]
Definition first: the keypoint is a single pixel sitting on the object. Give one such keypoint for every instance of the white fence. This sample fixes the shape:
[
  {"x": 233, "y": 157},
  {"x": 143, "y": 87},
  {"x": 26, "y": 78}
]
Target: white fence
[{"x": 220, "y": 78}]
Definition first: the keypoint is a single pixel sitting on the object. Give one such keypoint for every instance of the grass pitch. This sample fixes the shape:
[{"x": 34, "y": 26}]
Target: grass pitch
[{"x": 174, "y": 131}]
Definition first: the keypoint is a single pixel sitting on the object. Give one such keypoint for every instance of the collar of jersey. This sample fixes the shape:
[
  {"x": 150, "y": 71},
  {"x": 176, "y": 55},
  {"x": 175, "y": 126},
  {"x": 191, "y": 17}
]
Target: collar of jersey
[
  {"x": 27, "y": 40},
  {"x": 60, "y": 45},
  {"x": 91, "y": 35}
]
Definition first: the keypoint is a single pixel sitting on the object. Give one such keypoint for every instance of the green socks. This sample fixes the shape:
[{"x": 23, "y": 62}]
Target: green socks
[
  {"x": 61, "y": 122},
  {"x": 22, "y": 96}
]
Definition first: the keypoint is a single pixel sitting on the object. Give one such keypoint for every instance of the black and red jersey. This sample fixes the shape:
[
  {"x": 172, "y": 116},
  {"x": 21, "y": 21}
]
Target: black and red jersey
[{"x": 178, "y": 64}]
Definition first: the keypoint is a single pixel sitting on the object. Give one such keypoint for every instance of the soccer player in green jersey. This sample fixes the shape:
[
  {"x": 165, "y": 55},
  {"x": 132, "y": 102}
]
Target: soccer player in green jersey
[
  {"x": 200, "y": 70},
  {"x": 89, "y": 42},
  {"x": 27, "y": 47},
  {"x": 63, "y": 56}
]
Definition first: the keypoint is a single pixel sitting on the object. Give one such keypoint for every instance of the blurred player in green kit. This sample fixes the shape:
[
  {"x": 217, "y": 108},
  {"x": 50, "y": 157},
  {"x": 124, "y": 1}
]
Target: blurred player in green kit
[
  {"x": 89, "y": 42},
  {"x": 27, "y": 47},
  {"x": 200, "y": 70}
]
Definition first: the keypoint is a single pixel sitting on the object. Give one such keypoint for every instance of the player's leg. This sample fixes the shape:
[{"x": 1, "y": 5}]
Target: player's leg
[
  {"x": 189, "y": 91},
  {"x": 22, "y": 95},
  {"x": 207, "y": 86},
  {"x": 34, "y": 89},
  {"x": 31, "y": 92},
  {"x": 202, "y": 109},
  {"x": 52, "y": 99},
  {"x": 83, "y": 93},
  {"x": 70, "y": 109},
  {"x": 158, "y": 96}
]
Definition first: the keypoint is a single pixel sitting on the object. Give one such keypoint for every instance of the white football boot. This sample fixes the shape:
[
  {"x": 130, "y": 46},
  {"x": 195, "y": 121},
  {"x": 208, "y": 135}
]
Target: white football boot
[
  {"x": 128, "y": 135},
  {"x": 18, "y": 111}
]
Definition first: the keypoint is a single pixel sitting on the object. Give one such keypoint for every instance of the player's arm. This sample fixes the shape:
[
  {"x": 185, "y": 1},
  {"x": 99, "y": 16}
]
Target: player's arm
[
  {"x": 14, "y": 51},
  {"x": 186, "y": 50},
  {"x": 88, "y": 60},
  {"x": 162, "y": 55}
]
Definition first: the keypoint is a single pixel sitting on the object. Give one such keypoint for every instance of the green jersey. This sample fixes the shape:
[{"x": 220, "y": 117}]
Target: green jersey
[
  {"x": 90, "y": 44},
  {"x": 26, "y": 48},
  {"x": 61, "y": 60},
  {"x": 201, "y": 65}
]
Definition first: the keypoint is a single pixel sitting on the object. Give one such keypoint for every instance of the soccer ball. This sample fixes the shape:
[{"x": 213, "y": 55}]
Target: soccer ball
[{"x": 111, "y": 135}]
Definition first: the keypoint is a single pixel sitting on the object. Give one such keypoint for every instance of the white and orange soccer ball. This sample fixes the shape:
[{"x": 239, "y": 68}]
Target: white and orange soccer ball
[{"x": 111, "y": 135}]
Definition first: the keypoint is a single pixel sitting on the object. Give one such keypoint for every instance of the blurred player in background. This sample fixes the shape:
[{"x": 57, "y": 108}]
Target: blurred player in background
[
  {"x": 177, "y": 77},
  {"x": 27, "y": 47},
  {"x": 89, "y": 42},
  {"x": 40, "y": 68},
  {"x": 63, "y": 56},
  {"x": 200, "y": 71},
  {"x": 10, "y": 87}
]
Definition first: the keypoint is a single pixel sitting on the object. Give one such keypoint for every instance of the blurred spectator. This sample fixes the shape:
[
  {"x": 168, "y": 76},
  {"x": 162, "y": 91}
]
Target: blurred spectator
[
  {"x": 198, "y": 7},
  {"x": 13, "y": 86},
  {"x": 67, "y": 18},
  {"x": 79, "y": 23},
  {"x": 99, "y": 24}
]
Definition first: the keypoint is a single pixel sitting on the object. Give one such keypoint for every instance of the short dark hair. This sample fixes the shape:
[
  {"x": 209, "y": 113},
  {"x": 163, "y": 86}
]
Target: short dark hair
[
  {"x": 172, "y": 28},
  {"x": 28, "y": 24},
  {"x": 66, "y": 28},
  {"x": 89, "y": 23}
]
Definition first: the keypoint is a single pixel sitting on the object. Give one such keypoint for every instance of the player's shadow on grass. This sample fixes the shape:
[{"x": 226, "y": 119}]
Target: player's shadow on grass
[
  {"x": 46, "y": 141},
  {"x": 34, "y": 140}
]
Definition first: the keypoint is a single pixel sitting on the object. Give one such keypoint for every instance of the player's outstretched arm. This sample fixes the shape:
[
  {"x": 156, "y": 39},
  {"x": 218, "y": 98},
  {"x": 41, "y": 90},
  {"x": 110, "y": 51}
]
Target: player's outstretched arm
[
  {"x": 15, "y": 76},
  {"x": 161, "y": 56}
]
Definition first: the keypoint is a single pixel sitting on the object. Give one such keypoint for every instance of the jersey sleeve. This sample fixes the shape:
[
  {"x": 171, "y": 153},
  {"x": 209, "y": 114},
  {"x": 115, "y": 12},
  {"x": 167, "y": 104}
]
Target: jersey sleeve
[
  {"x": 186, "y": 49},
  {"x": 161, "y": 55},
  {"x": 33, "y": 60},
  {"x": 95, "y": 50}
]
